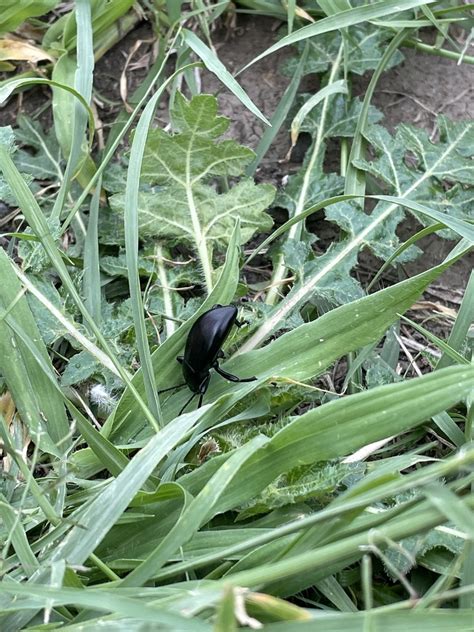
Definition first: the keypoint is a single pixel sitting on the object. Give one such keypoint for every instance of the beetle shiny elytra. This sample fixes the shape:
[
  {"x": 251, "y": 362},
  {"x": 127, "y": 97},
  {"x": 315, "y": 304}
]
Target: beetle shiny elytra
[{"x": 203, "y": 350}]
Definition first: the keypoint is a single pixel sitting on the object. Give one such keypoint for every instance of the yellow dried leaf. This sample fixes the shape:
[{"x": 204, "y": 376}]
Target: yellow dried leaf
[{"x": 19, "y": 50}]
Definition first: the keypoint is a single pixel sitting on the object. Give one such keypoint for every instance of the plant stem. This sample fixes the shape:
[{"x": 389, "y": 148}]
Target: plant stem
[
  {"x": 441, "y": 52},
  {"x": 200, "y": 240},
  {"x": 170, "y": 324}
]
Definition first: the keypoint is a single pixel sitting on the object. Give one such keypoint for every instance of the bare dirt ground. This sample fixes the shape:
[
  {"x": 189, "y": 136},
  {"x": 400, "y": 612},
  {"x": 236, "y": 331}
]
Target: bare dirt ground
[{"x": 414, "y": 92}]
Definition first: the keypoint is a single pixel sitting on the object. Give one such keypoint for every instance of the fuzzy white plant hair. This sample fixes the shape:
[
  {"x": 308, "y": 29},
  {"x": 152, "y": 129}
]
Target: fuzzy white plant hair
[{"x": 102, "y": 398}]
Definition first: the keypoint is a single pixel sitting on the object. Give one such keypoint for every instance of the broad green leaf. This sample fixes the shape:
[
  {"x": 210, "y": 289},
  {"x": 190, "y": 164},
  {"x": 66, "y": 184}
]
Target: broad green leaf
[
  {"x": 340, "y": 120},
  {"x": 318, "y": 482},
  {"x": 39, "y": 153},
  {"x": 418, "y": 177},
  {"x": 217, "y": 213},
  {"x": 49, "y": 327},
  {"x": 365, "y": 45},
  {"x": 186, "y": 207},
  {"x": 335, "y": 288},
  {"x": 317, "y": 189},
  {"x": 405, "y": 556},
  {"x": 80, "y": 367}
]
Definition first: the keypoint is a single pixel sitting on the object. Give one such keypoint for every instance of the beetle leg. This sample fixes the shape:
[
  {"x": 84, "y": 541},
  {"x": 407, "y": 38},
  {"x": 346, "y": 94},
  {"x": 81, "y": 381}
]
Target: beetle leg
[
  {"x": 188, "y": 402},
  {"x": 180, "y": 359},
  {"x": 241, "y": 323},
  {"x": 220, "y": 354},
  {"x": 230, "y": 377},
  {"x": 203, "y": 388},
  {"x": 171, "y": 388}
]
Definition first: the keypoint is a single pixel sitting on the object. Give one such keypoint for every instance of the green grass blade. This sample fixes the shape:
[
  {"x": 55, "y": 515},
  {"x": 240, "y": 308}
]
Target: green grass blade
[
  {"x": 452, "y": 353},
  {"x": 452, "y": 507},
  {"x": 294, "y": 220},
  {"x": 37, "y": 221},
  {"x": 91, "y": 287},
  {"x": 16, "y": 535},
  {"x": 428, "y": 230},
  {"x": 34, "y": 396},
  {"x": 448, "y": 426},
  {"x": 308, "y": 350},
  {"x": 343, "y": 426},
  {"x": 225, "y": 616},
  {"x": 214, "y": 65},
  {"x": 40, "y": 597},
  {"x": 297, "y": 297},
  {"x": 338, "y": 87},
  {"x": 334, "y": 592},
  {"x": 131, "y": 244},
  {"x": 279, "y": 115},
  {"x": 197, "y": 514},
  {"x": 70, "y": 120},
  {"x": 379, "y": 620},
  {"x": 36, "y": 491},
  {"x": 355, "y": 178},
  {"x": 94, "y": 521},
  {"x": 373, "y": 493},
  {"x": 410, "y": 522},
  {"x": 291, "y": 7},
  {"x": 461, "y": 227},
  {"x": 7, "y": 89},
  {"x": 462, "y": 325}
]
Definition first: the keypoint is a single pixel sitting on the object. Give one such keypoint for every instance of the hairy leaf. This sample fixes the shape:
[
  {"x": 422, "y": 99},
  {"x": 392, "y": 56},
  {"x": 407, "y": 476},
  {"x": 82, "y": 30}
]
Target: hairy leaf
[
  {"x": 365, "y": 45},
  {"x": 187, "y": 207},
  {"x": 410, "y": 165},
  {"x": 39, "y": 153}
]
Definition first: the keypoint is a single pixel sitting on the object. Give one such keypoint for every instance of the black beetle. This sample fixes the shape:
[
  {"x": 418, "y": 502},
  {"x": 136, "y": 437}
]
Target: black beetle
[{"x": 203, "y": 350}]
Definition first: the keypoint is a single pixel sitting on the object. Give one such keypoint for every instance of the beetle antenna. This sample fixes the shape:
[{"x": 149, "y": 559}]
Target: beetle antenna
[
  {"x": 188, "y": 402},
  {"x": 171, "y": 388}
]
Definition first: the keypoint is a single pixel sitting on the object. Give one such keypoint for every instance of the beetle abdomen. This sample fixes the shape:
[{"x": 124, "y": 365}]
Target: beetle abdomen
[{"x": 207, "y": 336}]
